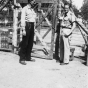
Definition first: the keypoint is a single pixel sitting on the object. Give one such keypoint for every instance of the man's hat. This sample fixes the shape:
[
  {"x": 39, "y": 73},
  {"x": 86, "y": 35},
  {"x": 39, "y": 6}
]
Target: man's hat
[{"x": 29, "y": 1}]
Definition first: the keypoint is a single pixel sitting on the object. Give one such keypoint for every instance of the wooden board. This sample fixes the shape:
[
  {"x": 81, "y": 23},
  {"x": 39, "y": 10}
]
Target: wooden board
[
  {"x": 22, "y": 1},
  {"x": 45, "y": 1},
  {"x": 37, "y": 1}
]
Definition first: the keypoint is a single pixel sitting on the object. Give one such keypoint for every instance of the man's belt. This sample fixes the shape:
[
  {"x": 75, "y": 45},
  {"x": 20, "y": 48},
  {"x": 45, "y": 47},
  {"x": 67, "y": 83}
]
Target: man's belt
[
  {"x": 29, "y": 22},
  {"x": 66, "y": 27}
]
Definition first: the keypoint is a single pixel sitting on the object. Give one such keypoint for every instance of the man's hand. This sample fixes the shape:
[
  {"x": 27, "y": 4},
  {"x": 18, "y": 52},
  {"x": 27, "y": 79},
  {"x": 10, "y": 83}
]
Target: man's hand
[
  {"x": 67, "y": 34},
  {"x": 23, "y": 32}
]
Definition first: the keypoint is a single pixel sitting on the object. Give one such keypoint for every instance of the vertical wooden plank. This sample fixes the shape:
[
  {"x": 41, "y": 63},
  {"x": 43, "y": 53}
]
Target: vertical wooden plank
[
  {"x": 39, "y": 27},
  {"x": 0, "y": 39},
  {"x": 87, "y": 53},
  {"x": 53, "y": 31},
  {"x": 15, "y": 15}
]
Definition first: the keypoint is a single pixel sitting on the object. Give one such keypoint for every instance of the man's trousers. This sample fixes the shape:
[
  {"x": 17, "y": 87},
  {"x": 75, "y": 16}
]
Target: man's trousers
[
  {"x": 57, "y": 42},
  {"x": 27, "y": 42},
  {"x": 64, "y": 48}
]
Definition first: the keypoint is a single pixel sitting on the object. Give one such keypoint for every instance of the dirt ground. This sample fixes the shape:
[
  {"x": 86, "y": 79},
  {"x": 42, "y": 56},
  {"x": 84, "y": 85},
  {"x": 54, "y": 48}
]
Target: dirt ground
[{"x": 42, "y": 73}]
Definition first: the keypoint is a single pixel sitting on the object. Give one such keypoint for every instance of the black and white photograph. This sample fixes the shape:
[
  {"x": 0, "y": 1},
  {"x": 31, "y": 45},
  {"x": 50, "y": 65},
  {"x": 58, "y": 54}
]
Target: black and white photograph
[{"x": 43, "y": 43}]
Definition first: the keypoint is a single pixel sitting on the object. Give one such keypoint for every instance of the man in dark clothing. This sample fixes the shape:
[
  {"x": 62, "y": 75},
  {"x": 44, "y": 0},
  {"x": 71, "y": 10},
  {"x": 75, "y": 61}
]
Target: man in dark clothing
[
  {"x": 57, "y": 42},
  {"x": 28, "y": 19}
]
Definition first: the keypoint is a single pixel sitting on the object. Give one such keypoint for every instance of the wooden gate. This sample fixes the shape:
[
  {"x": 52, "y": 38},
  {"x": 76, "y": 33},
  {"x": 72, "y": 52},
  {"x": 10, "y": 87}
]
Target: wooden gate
[
  {"x": 12, "y": 36},
  {"x": 47, "y": 49}
]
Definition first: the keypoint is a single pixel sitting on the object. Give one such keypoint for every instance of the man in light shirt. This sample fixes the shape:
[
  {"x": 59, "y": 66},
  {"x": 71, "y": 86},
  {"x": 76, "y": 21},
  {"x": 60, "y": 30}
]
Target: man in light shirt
[
  {"x": 28, "y": 19},
  {"x": 67, "y": 27}
]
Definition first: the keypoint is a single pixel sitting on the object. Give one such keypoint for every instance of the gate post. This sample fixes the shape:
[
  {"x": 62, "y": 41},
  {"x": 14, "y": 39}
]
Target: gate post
[
  {"x": 15, "y": 20},
  {"x": 39, "y": 28},
  {"x": 87, "y": 53},
  {"x": 54, "y": 13}
]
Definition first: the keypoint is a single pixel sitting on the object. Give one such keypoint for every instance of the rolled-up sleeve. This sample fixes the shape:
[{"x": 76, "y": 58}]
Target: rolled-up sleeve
[{"x": 73, "y": 17}]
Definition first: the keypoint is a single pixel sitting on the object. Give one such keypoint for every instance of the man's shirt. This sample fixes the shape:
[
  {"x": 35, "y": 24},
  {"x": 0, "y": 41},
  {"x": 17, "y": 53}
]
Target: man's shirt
[
  {"x": 68, "y": 20},
  {"x": 27, "y": 15}
]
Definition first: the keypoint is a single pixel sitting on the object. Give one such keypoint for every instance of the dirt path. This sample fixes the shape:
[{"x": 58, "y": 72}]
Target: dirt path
[{"x": 41, "y": 74}]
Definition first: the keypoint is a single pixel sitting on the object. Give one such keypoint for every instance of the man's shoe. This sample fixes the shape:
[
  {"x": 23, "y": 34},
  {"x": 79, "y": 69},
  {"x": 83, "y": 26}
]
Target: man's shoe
[
  {"x": 22, "y": 62},
  {"x": 33, "y": 60},
  {"x": 64, "y": 63}
]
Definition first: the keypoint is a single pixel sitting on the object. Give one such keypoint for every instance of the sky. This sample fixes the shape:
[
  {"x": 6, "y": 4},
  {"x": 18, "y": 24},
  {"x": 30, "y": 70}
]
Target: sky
[{"x": 77, "y": 3}]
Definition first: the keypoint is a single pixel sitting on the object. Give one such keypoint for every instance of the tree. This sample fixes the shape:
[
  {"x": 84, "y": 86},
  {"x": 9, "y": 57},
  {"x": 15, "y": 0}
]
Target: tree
[
  {"x": 76, "y": 11},
  {"x": 84, "y": 10}
]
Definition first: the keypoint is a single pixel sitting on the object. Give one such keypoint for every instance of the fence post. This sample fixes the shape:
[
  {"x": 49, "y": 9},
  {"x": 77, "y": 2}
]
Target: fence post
[
  {"x": 54, "y": 12},
  {"x": 87, "y": 53},
  {"x": 15, "y": 20}
]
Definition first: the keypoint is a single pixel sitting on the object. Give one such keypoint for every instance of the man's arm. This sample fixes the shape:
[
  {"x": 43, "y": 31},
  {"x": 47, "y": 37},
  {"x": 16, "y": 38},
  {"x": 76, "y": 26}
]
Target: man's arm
[
  {"x": 73, "y": 19},
  {"x": 73, "y": 27},
  {"x": 23, "y": 18},
  {"x": 23, "y": 21}
]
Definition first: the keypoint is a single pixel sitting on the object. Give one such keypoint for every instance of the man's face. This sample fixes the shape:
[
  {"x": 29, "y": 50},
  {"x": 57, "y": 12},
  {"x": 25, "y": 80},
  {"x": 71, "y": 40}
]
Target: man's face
[
  {"x": 66, "y": 8},
  {"x": 32, "y": 1}
]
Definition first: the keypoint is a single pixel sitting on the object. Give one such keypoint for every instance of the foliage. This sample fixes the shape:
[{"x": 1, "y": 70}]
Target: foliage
[
  {"x": 76, "y": 11},
  {"x": 84, "y": 10}
]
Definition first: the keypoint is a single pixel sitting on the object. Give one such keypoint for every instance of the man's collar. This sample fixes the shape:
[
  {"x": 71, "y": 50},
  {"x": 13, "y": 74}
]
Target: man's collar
[
  {"x": 67, "y": 13},
  {"x": 29, "y": 6}
]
